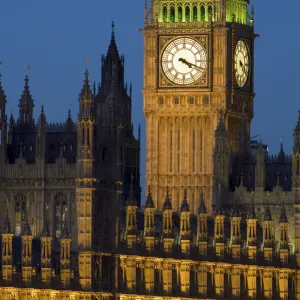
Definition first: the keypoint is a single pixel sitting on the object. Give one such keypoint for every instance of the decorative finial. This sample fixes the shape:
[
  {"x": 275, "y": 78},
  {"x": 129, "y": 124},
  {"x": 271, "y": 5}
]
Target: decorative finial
[
  {"x": 113, "y": 31},
  {"x": 42, "y": 109}
]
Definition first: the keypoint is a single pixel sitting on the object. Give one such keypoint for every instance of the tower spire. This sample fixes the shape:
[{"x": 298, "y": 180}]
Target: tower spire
[{"x": 113, "y": 37}]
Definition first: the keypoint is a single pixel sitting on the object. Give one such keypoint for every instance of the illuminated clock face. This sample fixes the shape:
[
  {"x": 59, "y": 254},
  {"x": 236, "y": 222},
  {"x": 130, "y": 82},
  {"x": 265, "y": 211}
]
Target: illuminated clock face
[
  {"x": 184, "y": 61},
  {"x": 241, "y": 63}
]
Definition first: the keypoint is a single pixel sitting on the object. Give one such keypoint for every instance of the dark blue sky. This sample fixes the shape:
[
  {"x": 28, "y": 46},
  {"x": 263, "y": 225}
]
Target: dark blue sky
[{"x": 55, "y": 37}]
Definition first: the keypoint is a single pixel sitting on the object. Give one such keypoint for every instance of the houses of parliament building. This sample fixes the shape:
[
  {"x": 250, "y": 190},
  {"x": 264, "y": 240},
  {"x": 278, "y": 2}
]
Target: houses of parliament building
[{"x": 221, "y": 218}]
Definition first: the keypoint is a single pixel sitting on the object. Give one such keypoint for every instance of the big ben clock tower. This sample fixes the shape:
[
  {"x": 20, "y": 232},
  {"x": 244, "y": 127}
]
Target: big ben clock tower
[{"x": 198, "y": 62}]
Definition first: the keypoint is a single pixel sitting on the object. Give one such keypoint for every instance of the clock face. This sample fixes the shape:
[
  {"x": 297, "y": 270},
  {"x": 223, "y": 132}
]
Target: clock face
[
  {"x": 184, "y": 61},
  {"x": 241, "y": 63}
]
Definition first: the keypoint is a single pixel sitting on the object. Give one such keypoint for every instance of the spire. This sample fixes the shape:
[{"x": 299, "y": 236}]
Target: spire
[
  {"x": 149, "y": 202},
  {"x": 281, "y": 154},
  {"x": 167, "y": 204},
  {"x": 131, "y": 199},
  {"x": 221, "y": 128},
  {"x": 86, "y": 93},
  {"x": 65, "y": 234},
  {"x": 7, "y": 226},
  {"x": 69, "y": 121},
  {"x": 267, "y": 216},
  {"x": 42, "y": 119},
  {"x": 26, "y": 104},
  {"x": 113, "y": 37},
  {"x": 2, "y": 93},
  {"x": 46, "y": 229},
  {"x": 26, "y": 229},
  {"x": 283, "y": 218},
  {"x": 185, "y": 206},
  {"x": 202, "y": 208}
]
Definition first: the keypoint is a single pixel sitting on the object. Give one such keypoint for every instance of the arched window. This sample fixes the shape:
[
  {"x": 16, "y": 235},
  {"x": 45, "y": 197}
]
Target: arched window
[
  {"x": 179, "y": 14},
  {"x": 172, "y": 14},
  {"x": 195, "y": 13},
  {"x": 20, "y": 212},
  {"x": 165, "y": 14},
  {"x": 202, "y": 13},
  {"x": 187, "y": 14},
  {"x": 210, "y": 11},
  {"x": 60, "y": 211}
]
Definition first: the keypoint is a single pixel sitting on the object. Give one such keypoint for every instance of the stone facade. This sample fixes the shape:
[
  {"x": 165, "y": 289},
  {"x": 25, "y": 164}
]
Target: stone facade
[{"x": 221, "y": 219}]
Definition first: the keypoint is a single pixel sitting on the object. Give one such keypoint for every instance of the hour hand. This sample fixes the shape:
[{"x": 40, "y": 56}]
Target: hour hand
[{"x": 185, "y": 62}]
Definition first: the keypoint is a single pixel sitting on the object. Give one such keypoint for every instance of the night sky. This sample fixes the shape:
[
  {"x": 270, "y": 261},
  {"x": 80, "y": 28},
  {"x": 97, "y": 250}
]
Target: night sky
[{"x": 55, "y": 37}]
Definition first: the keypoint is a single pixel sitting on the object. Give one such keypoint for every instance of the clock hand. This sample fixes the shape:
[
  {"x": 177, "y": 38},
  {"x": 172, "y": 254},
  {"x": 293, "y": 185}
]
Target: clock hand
[
  {"x": 185, "y": 62},
  {"x": 190, "y": 65}
]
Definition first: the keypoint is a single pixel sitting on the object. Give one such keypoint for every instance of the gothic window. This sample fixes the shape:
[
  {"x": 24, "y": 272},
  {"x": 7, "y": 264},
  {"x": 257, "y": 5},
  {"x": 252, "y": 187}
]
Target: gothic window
[
  {"x": 172, "y": 14},
  {"x": 191, "y": 100},
  {"x": 20, "y": 212},
  {"x": 176, "y": 100},
  {"x": 60, "y": 211},
  {"x": 202, "y": 13},
  {"x": 180, "y": 14},
  {"x": 187, "y": 13},
  {"x": 165, "y": 14},
  {"x": 210, "y": 11},
  {"x": 161, "y": 100},
  {"x": 195, "y": 13}
]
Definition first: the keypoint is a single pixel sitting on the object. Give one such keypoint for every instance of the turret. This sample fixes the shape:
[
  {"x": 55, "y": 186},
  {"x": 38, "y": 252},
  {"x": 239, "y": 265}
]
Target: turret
[
  {"x": 26, "y": 105},
  {"x": 41, "y": 136},
  {"x": 85, "y": 182},
  {"x": 235, "y": 232},
  {"x": 185, "y": 225},
  {"x": 131, "y": 226},
  {"x": 3, "y": 125},
  {"x": 7, "y": 250},
  {"x": 46, "y": 249},
  {"x": 65, "y": 254},
  {"x": 202, "y": 230},
  {"x": 268, "y": 235},
  {"x": 149, "y": 223},
  {"x": 221, "y": 159},
  {"x": 252, "y": 234},
  {"x": 284, "y": 237},
  {"x": 168, "y": 224},
  {"x": 26, "y": 250}
]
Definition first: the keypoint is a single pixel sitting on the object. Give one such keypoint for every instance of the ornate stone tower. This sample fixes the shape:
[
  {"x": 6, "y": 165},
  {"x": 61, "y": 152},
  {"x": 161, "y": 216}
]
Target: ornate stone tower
[
  {"x": 85, "y": 182},
  {"x": 198, "y": 60}
]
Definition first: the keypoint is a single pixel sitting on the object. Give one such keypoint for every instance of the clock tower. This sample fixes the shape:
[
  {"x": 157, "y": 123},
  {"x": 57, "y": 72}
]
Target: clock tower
[{"x": 198, "y": 72}]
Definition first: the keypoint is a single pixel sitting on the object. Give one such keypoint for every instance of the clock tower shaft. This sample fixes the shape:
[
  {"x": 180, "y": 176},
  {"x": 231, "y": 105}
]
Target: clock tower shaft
[{"x": 181, "y": 119}]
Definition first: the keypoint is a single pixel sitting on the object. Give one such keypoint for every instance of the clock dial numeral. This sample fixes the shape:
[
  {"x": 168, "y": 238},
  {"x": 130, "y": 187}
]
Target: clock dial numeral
[{"x": 184, "y": 61}]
